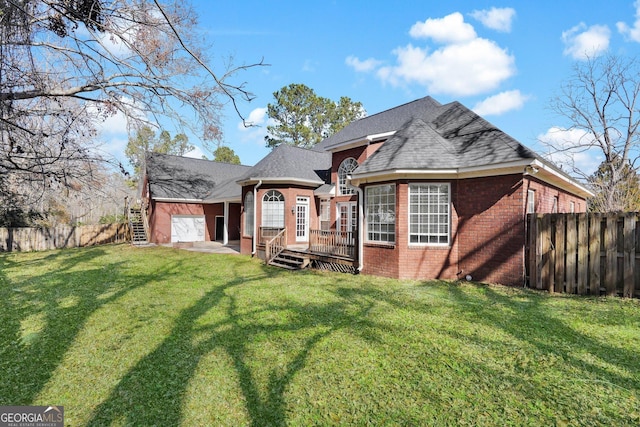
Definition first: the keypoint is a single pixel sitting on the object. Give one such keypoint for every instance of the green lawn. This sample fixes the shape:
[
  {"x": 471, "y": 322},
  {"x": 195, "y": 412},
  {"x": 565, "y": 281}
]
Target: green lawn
[{"x": 155, "y": 336}]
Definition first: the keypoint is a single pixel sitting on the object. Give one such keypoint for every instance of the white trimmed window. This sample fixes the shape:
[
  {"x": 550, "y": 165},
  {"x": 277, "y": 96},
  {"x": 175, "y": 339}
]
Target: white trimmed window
[
  {"x": 273, "y": 209},
  {"x": 325, "y": 214},
  {"x": 249, "y": 210},
  {"x": 531, "y": 201},
  {"x": 429, "y": 213},
  {"x": 347, "y": 166},
  {"x": 380, "y": 205}
]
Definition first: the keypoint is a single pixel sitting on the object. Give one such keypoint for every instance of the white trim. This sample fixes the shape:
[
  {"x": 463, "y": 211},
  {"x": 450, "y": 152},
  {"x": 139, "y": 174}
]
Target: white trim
[
  {"x": 546, "y": 173},
  {"x": 289, "y": 180},
  {"x": 359, "y": 141},
  {"x": 171, "y": 200}
]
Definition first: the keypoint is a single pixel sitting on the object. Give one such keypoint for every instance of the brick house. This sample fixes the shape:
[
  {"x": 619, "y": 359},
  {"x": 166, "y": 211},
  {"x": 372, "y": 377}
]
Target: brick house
[{"x": 419, "y": 191}]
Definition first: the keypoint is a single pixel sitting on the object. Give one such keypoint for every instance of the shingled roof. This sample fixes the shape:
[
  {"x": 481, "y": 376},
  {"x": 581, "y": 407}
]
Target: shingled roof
[
  {"x": 452, "y": 138},
  {"x": 291, "y": 164},
  {"x": 184, "y": 178},
  {"x": 383, "y": 122}
]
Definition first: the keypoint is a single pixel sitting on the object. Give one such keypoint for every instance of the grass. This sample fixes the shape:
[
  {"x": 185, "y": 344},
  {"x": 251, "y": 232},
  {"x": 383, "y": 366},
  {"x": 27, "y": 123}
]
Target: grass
[{"x": 124, "y": 336}]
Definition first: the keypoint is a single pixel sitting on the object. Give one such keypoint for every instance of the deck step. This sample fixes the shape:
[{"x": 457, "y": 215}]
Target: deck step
[{"x": 290, "y": 261}]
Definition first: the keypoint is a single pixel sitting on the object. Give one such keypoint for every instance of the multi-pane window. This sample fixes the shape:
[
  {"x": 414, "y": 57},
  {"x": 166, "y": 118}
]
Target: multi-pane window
[
  {"x": 249, "y": 210},
  {"x": 273, "y": 209},
  {"x": 325, "y": 214},
  {"x": 429, "y": 216},
  {"x": 380, "y": 203},
  {"x": 531, "y": 201},
  {"x": 572, "y": 207},
  {"x": 346, "y": 167}
]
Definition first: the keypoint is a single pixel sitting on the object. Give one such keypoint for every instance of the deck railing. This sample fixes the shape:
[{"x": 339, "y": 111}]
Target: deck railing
[
  {"x": 342, "y": 243},
  {"x": 275, "y": 245}
]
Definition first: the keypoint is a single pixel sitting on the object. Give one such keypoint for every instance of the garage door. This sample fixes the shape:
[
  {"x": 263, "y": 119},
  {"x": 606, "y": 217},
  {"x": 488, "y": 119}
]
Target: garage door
[{"x": 187, "y": 228}]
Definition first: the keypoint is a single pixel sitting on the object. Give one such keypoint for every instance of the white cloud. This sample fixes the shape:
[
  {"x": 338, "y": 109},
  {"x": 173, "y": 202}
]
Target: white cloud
[
  {"x": 450, "y": 29},
  {"x": 501, "y": 103},
  {"x": 498, "y": 19},
  {"x": 362, "y": 66},
  {"x": 582, "y": 42},
  {"x": 196, "y": 153},
  {"x": 254, "y": 134},
  {"x": 460, "y": 69},
  {"x": 257, "y": 117},
  {"x": 631, "y": 33},
  {"x": 462, "y": 65},
  {"x": 569, "y": 148}
]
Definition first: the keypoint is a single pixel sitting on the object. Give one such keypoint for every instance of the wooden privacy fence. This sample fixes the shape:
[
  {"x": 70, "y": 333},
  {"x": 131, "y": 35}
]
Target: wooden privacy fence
[
  {"x": 585, "y": 254},
  {"x": 40, "y": 239}
]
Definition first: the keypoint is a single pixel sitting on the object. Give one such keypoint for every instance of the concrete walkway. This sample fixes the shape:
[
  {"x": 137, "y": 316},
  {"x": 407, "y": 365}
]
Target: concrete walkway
[{"x": 209, "y": 247}]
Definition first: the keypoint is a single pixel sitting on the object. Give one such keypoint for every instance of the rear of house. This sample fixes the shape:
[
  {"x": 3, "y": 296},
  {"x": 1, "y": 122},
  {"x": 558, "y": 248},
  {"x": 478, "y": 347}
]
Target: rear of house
[{"x": 427, "y": 190}]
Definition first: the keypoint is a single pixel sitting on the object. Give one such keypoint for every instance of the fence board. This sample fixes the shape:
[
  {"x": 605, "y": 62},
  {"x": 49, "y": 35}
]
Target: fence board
[
  {"x": 572, "y": 253},
  {"x": 545, "y": 247},
  {"x": 629, "y": 262},
  {"x": 583, "y": 254},
  {"x": 611, "y": 250},
  {"x": 594, "y": 254},
  {"x": 40, "y": 239},
  {"x": 560, "y": 254}
]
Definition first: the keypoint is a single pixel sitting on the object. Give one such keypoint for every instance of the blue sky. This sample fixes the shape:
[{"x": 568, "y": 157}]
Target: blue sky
[{"x": 505, "y": 60}]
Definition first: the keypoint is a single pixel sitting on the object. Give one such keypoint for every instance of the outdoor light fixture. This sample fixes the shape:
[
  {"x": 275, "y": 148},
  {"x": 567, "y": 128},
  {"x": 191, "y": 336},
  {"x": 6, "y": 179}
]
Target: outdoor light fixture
[{"x": 293, "y": 210}]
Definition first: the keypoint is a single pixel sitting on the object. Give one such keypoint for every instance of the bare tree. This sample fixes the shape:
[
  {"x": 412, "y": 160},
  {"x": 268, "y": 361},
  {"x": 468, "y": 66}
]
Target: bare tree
[
  {"x": 601, "y": 101},
  {"x": 67, "y": 64}
]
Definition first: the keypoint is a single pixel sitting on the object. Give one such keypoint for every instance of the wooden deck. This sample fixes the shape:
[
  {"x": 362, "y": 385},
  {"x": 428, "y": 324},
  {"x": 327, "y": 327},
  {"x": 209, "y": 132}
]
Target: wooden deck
[{"x": 326, "y": 250}]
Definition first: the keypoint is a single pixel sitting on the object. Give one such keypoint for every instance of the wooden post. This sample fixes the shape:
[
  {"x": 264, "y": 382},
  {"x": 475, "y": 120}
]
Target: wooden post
[
  {"x": 611, "y": 253},
  {"x": 583, "y": 253},
  {"x": 595, "y": 223},
  {"x": 629, "y": 260}
]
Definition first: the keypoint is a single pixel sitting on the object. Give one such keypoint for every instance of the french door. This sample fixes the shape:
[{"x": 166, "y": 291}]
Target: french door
[{"x": 302, "y": 219}]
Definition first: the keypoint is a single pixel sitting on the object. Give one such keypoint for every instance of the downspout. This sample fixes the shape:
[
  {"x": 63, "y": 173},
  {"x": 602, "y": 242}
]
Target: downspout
[
  {"x": 360, "y": 223},
  {"x": 360, "y": 228},
  {"x": 255, "y": 217}
]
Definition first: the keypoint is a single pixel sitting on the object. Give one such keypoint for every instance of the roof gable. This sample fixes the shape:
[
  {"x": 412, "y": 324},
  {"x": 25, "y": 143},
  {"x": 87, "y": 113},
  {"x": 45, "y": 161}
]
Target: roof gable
[
  {"x": 383, "y": 122},
  {"x": 185, "y": 178}
]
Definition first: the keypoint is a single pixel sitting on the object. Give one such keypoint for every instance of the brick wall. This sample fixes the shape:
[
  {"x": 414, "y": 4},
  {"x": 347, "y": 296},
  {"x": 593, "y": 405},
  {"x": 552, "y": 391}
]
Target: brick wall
[
  {"x": 491, "y": 228},
  {"x": 546, "y": 194}
]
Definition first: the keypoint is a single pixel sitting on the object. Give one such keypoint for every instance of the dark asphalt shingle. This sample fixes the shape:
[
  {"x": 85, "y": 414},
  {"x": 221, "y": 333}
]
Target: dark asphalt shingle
[{"x": 175, "y": 177}]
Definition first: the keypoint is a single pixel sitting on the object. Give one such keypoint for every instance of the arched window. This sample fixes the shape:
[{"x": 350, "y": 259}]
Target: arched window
[
  {"x": 249, "y": 209},
  {"x": 347, "y": 166},
  {"x": 273, "y": 209}
]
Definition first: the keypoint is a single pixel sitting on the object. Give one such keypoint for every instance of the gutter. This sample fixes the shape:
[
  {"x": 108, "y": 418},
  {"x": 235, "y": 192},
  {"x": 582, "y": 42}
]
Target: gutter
[{"x": 255, "y": 218}]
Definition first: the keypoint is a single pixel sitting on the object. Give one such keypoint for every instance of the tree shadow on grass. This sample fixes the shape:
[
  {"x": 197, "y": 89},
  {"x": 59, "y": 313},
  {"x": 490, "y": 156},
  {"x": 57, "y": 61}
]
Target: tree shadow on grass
[
  {"x": 42, "y": 314},
  {"x": 153, "y": 392},
  {"x": 528, "y": 319}
]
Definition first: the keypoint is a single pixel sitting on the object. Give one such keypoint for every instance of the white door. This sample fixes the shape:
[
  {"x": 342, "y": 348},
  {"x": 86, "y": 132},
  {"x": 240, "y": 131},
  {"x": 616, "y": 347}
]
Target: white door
[
  {"x": 187, "y": 228},
  {"x": 347, "y": 219},
  {"x": 302, "y": 219}
]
